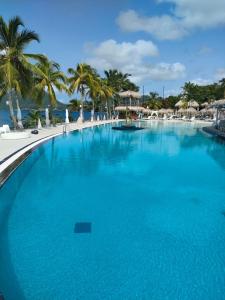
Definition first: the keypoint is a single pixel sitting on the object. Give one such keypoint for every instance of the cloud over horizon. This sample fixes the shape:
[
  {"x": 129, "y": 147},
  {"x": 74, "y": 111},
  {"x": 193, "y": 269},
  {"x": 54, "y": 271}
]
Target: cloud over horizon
[
  {"x": 134, "y": 58},
  {"x": 186, "y": 16}
]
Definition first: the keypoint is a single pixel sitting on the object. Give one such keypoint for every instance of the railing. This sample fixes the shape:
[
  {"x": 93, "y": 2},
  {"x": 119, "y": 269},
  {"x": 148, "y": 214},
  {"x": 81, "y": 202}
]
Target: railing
[{"x": 65, "y": 128}]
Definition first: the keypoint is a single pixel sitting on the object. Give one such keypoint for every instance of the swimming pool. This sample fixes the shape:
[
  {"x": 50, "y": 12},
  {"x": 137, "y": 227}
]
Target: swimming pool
[{"x": 155, "y": 203}]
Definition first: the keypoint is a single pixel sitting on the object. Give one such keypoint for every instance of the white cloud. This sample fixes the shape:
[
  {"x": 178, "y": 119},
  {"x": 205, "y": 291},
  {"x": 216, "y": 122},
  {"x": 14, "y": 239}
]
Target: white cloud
[
  {"x": 200, "y": 13},
  {"x": 186, "y": 16},
  {"x": 133, "y": 58},
  {"x": 110, "y": 53},
  {"x": 220, "y": 74},
  {"x": 172, "y": 92},
  {"x": 163, "y": 27},
  {"x": 201, "y": 81}
]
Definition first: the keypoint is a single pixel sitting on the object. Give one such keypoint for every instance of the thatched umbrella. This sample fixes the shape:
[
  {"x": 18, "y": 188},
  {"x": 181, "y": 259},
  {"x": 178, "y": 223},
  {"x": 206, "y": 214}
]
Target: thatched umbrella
[
  {"x": 130, "y": 95},
  {"x": 136, "y": 108},
  {"x": 193, "y": 103},
  {"x": 146, "y": 111},
  {"x": 203, "y": 111},
  {"x": 120, "y": 108},
  {"x": 191, "y": 111},
  {"x": 219, "y": 103},
  {"x": 130, "y": 108},
  {"x": 205, "y": 104},
  {"x": 182, "y": 111},
  {"x": 169, "y": 111},
  {"x": 180, "y": 103},
  {"x": 211, "y": 111},
  {"x": 162, "y": 111}
]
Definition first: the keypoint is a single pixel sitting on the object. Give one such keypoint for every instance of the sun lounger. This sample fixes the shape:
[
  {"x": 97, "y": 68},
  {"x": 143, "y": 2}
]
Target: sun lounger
[
  {"x": 172, "y": 117},
  {"x": 4, "y": 129}
]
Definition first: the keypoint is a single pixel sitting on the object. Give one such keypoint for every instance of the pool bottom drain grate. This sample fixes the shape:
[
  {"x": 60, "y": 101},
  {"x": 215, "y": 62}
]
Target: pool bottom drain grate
[{"x": 82, "y": 227}]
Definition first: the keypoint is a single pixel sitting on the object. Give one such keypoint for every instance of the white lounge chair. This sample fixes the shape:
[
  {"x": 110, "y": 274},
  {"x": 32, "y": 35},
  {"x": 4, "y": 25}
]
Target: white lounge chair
[
  {"x": 4, "y": 129},
  {"x": 192, "y": 119}
]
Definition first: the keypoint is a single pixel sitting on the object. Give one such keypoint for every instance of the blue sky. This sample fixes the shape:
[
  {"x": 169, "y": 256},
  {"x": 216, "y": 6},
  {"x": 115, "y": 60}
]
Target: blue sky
[{"x": 161, "y": 42}]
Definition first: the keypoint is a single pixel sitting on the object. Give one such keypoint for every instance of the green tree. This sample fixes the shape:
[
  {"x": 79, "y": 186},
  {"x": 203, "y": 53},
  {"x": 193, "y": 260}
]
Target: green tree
[
  {"x": 48, "y": 78},
  {"x": 15, "y": 66},
  {"x": 104, "y": 94},
  {"x": 120, "y": 81},
  {"x": 74, "y": 105},
  {"x": 83, "y": 81},
  {"x": 154, "y": 101}
]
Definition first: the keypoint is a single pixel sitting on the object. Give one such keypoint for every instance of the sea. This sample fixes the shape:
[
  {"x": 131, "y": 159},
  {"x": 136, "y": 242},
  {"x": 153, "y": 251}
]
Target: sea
[{"x": 5, "y": 117}]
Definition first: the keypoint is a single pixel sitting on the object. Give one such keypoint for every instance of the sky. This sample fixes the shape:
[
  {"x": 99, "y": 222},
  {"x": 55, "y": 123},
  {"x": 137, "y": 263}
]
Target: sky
[{"x": 162, "y": 43}]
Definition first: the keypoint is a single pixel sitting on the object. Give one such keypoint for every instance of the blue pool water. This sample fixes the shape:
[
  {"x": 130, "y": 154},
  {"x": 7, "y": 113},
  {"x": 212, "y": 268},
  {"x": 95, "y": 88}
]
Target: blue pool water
[{"x": 154, "y": 201}]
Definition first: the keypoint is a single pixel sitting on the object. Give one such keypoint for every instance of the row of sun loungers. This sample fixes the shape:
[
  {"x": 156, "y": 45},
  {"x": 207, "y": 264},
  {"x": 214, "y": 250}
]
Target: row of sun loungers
[{"x": 174, "y": 117}]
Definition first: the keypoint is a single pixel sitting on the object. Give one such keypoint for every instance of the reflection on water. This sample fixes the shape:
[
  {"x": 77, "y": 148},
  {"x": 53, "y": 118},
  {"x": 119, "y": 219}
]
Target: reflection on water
[{"x": 217, "y": 151}]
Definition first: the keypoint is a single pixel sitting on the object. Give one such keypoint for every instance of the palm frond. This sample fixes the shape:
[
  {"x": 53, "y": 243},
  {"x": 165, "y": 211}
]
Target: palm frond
[
  {"x": 13, "y": 27},
  {"x": 37, "y": 57},
  {"x": 4, "y": 33},
  {"x": 25, "y": 37}
]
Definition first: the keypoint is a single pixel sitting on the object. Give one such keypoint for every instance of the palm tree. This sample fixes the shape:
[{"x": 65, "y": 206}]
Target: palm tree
[
  {"x": 104, "y": 93},
  {"x": 74, "y": 105},
  {"x": 47, "y": 79},
  {"x": 83, "y": 80},
  {"x": 119, "y": 81},
  {"x": 15, "y": 65},
  {"x": 153, "y": 96}
]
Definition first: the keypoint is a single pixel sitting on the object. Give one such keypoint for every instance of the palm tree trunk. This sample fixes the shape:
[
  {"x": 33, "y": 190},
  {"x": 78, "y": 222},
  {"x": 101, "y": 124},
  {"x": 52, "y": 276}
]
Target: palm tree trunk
[
  {"x": 81, "y": 118},
  {"x": 11, "y": 111},
  {"x": 93, "y": 111},
  {"x": 107, "y": 108},
  {"x": 19, "y": 124}
]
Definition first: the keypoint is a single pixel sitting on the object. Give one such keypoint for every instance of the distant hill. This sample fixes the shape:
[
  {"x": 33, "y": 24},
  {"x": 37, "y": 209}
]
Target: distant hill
[{"x": 29, "y": 104}]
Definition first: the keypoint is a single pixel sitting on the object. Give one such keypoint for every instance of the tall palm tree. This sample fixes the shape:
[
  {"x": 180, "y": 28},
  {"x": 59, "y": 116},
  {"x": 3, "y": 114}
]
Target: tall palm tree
[
  {"x": 15, "y": 65},
  {"x": 47, "y": 79},
  {"x": 83, "y": 80},
  {"x": 153, "y": 96},
  {"x": 120, "y": 81},
  {"x": 104, "y": 93}
]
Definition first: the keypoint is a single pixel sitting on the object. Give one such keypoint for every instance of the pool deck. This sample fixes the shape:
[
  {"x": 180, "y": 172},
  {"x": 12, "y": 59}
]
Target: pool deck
[{"x": 11, "y": 150}]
